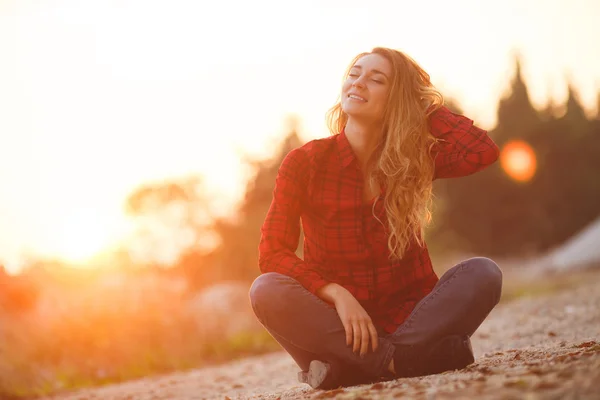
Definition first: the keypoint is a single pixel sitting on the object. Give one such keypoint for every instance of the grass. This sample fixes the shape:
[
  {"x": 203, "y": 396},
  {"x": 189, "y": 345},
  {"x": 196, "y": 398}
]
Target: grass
[
  {"x": 93, "y": 336},
  {"x": 38, "y": 377}
]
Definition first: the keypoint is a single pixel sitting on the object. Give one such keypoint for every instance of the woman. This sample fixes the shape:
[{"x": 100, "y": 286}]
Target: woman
[{"x": 364, "y": 303}]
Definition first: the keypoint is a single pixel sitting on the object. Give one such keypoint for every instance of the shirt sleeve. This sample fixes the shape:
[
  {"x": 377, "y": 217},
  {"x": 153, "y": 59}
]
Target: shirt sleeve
[
  {"x": 462, "y": 147},
  {"x": 280, "y": 231}
]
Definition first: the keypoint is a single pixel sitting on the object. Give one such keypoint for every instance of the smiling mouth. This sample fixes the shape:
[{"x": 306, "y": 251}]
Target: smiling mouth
[{"x": 355, "y": 97}]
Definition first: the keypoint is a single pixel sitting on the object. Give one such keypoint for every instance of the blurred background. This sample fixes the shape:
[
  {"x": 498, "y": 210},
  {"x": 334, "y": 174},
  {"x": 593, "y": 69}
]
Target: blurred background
[{"x": 140, "y": 142}]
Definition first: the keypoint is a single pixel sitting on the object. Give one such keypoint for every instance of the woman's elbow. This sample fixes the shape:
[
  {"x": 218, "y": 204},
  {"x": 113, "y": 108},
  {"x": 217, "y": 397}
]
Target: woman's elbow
[
  {"x": 268, "y": 260},
  {"x": 264, "y": 261},
  {"x": 492, "y": 154}
]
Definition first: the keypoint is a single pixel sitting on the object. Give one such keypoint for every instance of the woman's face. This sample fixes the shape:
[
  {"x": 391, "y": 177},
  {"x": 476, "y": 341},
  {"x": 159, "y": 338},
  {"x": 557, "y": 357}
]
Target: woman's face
[{"x": 365, "y": 92}]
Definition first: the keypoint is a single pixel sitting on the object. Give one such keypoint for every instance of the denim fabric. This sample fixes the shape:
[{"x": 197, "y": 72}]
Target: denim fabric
[{"x": 308, "y": 328}]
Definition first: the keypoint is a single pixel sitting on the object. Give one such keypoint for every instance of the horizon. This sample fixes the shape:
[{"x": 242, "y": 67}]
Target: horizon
[{"x": 145, "y": 99}]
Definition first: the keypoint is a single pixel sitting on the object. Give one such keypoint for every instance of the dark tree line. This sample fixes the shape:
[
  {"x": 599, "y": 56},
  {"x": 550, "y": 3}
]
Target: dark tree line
[{"x": 491, "y": 213}]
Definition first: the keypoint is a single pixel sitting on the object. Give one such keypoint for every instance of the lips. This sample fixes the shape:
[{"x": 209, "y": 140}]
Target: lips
[{"x": 356, "y": 97}]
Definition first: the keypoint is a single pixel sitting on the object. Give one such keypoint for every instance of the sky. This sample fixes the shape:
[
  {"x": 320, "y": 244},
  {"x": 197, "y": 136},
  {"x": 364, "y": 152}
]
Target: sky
[{"x": 100, "y": 96}]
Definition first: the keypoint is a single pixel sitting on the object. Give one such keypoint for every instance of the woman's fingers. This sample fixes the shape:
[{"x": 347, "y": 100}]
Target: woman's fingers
[
  {"x": 360, "y": 333},
  {"x": 348, "y": 329},
  {"x": 366, "y": 334},
  {"x": 374, "y": 336},
  {"x": 357, "y": 336}
]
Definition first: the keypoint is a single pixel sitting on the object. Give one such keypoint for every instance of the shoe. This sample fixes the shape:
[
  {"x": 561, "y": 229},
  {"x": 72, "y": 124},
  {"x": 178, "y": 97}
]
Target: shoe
[
  {"x": 449, "y": 353},
  {"x": 318, "y": 376},
  {"x": 409, "y": 360}
]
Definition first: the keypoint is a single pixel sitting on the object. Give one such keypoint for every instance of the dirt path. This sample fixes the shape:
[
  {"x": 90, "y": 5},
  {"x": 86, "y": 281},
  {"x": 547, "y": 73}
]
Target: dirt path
[{"x": 544, "y": 347}]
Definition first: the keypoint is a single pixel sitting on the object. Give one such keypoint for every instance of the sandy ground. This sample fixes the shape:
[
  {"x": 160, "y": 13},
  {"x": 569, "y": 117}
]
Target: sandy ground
[{"x": 542, "y": 347}]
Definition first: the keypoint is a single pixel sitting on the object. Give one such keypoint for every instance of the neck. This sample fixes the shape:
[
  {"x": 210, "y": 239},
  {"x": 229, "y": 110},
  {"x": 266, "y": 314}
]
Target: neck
[{"x": 363, "y": 138}]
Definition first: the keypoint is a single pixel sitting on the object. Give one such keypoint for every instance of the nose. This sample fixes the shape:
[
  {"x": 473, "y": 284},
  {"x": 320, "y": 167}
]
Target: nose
[{"x": 359, "y": 82}]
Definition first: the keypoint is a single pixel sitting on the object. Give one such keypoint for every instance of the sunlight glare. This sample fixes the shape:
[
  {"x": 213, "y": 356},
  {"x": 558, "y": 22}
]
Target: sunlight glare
[{"x": 83, "y": 235}]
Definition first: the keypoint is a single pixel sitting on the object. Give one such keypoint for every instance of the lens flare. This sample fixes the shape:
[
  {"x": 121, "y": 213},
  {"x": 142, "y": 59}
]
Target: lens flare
[{"x": 518, "y": 160}]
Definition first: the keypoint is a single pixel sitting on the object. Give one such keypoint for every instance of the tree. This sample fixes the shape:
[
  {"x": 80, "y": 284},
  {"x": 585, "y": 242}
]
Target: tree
[
  {"x": 237, "y": 254},
  {"x": 575, "y": 119},
  {"x": 178, "y": 223},
  {"x": 171, "y": 217},
  {"x": 491, "y": 213},
  {"x": 516, "y": 115}
]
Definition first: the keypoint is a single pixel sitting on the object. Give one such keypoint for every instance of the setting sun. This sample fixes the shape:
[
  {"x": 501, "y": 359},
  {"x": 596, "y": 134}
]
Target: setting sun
[
  {"x": 518, "y": 160},
  {"x": 82, "y": 235}
]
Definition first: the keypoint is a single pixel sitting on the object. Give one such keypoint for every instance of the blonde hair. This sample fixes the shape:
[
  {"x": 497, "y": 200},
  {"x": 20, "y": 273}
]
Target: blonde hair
[{"x": 402, "y": 162}]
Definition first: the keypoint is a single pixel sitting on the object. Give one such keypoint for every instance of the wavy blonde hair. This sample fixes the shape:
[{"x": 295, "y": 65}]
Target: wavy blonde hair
[{"x": 402, "y": 162}]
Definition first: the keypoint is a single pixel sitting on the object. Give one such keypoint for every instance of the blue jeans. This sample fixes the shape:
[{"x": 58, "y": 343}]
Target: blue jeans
[{"x": 308, "y": 328}]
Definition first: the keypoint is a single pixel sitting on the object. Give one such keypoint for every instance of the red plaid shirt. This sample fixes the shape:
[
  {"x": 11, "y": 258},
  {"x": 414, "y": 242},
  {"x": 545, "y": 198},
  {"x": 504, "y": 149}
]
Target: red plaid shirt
[{"x": 321, "y": 185}]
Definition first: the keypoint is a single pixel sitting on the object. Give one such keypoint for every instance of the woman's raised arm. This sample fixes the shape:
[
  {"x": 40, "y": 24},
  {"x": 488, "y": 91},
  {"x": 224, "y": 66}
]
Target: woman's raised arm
[{"x": 462, "y": 147}]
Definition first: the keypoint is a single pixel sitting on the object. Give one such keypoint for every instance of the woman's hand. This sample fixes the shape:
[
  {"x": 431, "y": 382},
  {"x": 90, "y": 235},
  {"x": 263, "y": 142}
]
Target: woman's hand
[{"x": 359, "y": 328}]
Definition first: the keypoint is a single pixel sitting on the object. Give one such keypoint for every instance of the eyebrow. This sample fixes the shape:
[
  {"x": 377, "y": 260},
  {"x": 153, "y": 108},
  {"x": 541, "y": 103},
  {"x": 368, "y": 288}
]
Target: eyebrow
[{"x": 376, "y": 71}]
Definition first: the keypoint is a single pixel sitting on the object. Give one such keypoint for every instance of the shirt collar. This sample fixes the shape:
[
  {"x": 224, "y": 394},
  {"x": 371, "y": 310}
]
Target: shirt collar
[{"x": 345, "y": 150}]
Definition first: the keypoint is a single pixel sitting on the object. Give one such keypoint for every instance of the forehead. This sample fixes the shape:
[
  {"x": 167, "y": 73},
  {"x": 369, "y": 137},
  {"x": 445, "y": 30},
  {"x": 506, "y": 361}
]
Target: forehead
[{"x": 374, "y": 62}]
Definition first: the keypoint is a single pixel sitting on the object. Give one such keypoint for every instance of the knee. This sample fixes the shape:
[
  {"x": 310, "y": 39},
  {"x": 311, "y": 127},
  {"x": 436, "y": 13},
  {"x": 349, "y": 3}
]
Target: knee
[
  {"x": 487, "y": 275},
  {"x": 265, "y": 292}
]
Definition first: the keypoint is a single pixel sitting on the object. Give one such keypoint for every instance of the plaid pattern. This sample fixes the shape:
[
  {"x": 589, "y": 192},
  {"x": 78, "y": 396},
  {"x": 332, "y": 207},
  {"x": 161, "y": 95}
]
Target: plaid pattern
[{"x": 321, "y": 185}]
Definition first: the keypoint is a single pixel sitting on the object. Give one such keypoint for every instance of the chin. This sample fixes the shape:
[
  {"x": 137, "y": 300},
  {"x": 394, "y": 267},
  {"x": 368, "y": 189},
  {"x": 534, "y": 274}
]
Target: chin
[
  {"x": 351, "y": 110},
  {"x": 353, "y": 113}
]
